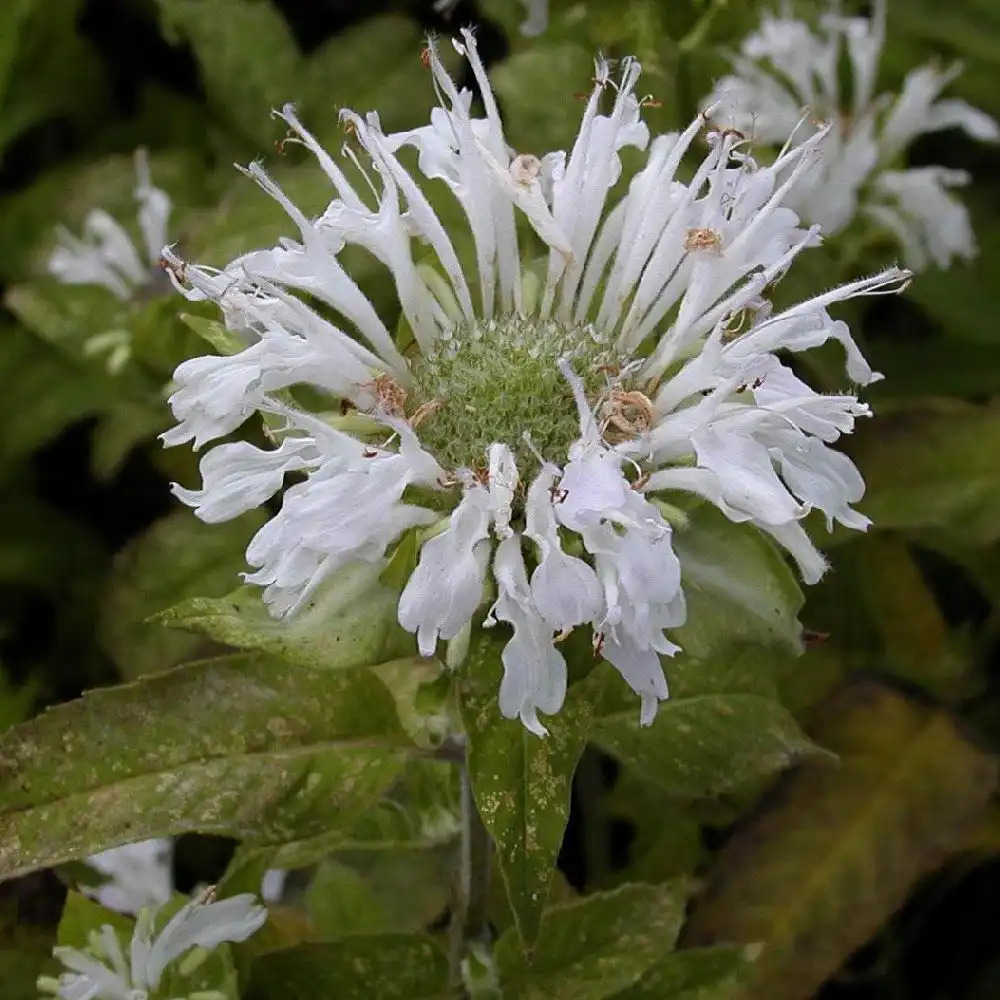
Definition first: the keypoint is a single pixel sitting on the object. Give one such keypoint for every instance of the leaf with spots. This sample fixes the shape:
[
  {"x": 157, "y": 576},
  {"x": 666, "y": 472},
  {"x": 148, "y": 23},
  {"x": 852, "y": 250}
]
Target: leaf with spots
[
  {"x": 360, "y": 967},
  {"x": 350, "y": 621},
  {"x": 242, "y": 746},
  {"x": 838, "y": 848},
  {"x": 521, "y": 782},
  {"x": 720, "y": 730},
  {"x": 595, "y": 946},
  {"x": 694, "y": 974}
]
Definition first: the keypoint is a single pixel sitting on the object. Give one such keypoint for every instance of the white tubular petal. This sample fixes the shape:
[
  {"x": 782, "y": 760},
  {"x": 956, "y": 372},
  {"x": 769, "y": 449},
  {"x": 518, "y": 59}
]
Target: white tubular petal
[
  {"x": 445, "y": 589},
  {"x": 564, "y": 589},
  {"x": 534, "y": 678},
  {"x": 793, "y": 538},
  {"x": 214, "y": 395},
  {"x": 238, "y": 477},
  {"x": 642, "y": 672},
  {"x": 746, "y": 476},
  {"x": 503, "y": 482},
  {"x": 205, "y": 925},
  {"x": 154, "y": 209}
]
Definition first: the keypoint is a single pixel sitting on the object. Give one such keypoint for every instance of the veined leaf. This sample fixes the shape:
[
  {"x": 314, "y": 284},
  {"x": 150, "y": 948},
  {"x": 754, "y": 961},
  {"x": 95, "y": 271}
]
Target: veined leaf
[
  {"x": 694, "y": 974},
  {"x": 949, "y": 477},
  {"x": 520, "y": 781},
  {"x": 361, "y": 967},
  {"x": 838, "y": 850},
  {"x": 243, "y": 746},
  {"x": 247, "y": 57},
  {"x": 595, "y": 946},
  {"x": 349, "y": 621}
]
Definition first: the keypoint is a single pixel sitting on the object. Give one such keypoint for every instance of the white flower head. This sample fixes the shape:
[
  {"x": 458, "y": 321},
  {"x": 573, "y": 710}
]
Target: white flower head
[
  {"x": 105, "y": 253},
  {"x": 104, "y": 971},
  {"x": 786, "y": 81},
  {"x": 606, "y": 342}
]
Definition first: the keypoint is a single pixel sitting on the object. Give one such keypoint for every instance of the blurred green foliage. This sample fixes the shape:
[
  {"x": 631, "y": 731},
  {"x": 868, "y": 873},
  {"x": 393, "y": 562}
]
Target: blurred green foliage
[{"x": 901, "y": 678}]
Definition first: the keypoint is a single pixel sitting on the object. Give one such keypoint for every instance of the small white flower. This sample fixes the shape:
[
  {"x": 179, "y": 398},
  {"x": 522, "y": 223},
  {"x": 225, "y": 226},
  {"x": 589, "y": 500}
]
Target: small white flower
[
  {"x": 542, "y": 397},
  {"x": 103, "y": 971},
  {"x": 786, "y": 70},
  {"x": 105, "y": 254}
]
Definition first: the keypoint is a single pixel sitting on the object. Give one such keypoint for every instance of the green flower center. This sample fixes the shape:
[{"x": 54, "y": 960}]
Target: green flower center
[{"x": 500, "y": 381}]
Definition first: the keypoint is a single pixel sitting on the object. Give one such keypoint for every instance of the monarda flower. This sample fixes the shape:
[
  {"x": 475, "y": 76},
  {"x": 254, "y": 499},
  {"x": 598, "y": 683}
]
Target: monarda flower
[
  {"x": 785, "y": 68},
  {"x": 611, "y": 345},
  {"x": 105, "y": 253},
  {"x": 107, "y": 970}
]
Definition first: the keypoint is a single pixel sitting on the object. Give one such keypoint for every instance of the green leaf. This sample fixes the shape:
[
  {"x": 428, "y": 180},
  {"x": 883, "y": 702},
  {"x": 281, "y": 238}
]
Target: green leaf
[
  {"x": 387, "y": 966},
  {"x": 349, "y": 621},
  {"x": 536, "y": 88},
  {"x": 816, "y": 873},
  {"x": 44, "y": 393},
  {"x": 82, "y": 916},
  {"x": 371, "y": 66},
  {"x": 247, "y": 56},
  {"x": 294, "y": 749},
  {"x": 696, "y": 974},
  {"x": 595, "y": 946},
  {"x": 698, "y": 746},
  {"x": 520, "y": 781},
  {"x": 360, "y": 893},
  {"x": 738, "y": 587},
  {"x": 949, "y": 477},
  {"x": 215, "y": 333},
  {"x": 176, "y": 558},
  {"x": 27, "y": 934},
  {"x": 13, "y": 16}
]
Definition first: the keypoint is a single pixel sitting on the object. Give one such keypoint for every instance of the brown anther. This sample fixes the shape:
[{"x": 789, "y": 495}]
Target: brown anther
[
  {"x": 558, "y": 495},
  {"x": 425, "y": 56},
  {"x": 703, "y": 239},
  {"x": 732, "y": 131},
  {"x": 757, "y": 382},
  {"x": 599, "y": 639},
  {"x": 369, "y": 453},
  {"x": 581, "y": 96},
  {"x": 641, "y": 481},
  {"x": 390, "y": 396},
  {"x": 625, "y": 414},
  {"x": 423, "y": 411},
  {"x": 481, "y": 474},
  {"x": 650, "y": 102},
  {"x": 279, "y": 144}
]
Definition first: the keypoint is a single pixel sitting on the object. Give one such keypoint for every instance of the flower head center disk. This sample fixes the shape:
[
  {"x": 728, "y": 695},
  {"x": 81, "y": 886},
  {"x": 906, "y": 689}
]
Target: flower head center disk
[{"x": 499, "y": 381}]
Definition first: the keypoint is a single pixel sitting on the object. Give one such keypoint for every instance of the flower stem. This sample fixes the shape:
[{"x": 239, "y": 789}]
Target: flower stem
[{"x": 469, "y": 921}]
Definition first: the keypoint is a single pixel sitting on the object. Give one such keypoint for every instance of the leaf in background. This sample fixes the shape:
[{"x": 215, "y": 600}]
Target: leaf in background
[
  {"x": 44, "y": 393},
  {"x": 30, "y": 910},
  {"x": 712, "y": 735},
  {"x": 738, "y": 587},
  {"x": 839, "y": 848},
  {"x": 177, "y": 557},
  {"x": 248, "y": 58},
  {"x": 53, "y": 72},
  {"x": 694, "y": 974},
  {"x": 349, "y": 621},
  {"x": 595, "y": 946},
  {"x": 933, "y": 466},
  {"x": 13, "y": 16},
  {"x": 241, "y": 746},
  {"x": 915, "y": 637},
  {"x": 362, "y": 892},
  {"x": 371, "y": 66},
  {"x": 81, "y": 917},
  {"x": 536, "y": 89},
  {"x": 362, "y": 967},
  {"x": 520, "y": 781}
]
